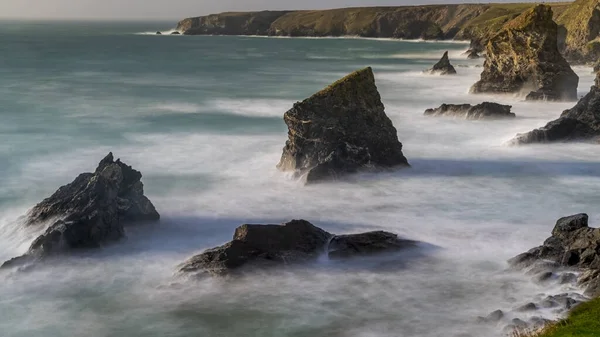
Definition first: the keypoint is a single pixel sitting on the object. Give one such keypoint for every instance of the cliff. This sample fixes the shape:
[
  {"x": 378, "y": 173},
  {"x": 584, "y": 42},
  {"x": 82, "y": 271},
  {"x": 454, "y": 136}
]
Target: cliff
[{"x": 581, "y": 21}]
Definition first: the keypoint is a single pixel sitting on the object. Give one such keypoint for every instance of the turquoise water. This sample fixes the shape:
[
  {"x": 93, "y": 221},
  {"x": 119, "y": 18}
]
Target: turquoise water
[{"x": 201, "y": 117}]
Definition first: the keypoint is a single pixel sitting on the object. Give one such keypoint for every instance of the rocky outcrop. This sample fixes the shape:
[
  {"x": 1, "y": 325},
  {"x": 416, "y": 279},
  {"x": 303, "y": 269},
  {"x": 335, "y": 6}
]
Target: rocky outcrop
[
  {"x": 158, "y": 33},
  {"x": 572, "y": 246},
  {"x": 443, "y": 67},
  {"x": 472, "y": 54},
  {"x": 485, "y": 110},
  {"x": 230, "y": 23},
  {"x": 580, "y": 123},
  {"x": 89, "y": 212},
  {"x": 339, "y": 130},
  {"x": 581, "y": 21},
  {"x": 175, "y": 33},
  {"x": 296, "y": 242},
  {"x": 524, "y": 58}
]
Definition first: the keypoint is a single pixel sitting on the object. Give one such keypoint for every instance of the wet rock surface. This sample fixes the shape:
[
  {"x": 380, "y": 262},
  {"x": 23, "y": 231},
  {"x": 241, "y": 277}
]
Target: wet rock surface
[
  {"x": 91, "y": 211},
  {"x": 258, "y": 247},
  {"x": 486, "y": 110},
  {"x": 340, "y": 130}
]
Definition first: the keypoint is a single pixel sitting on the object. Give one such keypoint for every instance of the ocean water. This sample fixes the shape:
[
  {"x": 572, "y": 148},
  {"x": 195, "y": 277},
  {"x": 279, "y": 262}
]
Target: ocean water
[{"x": 201, "y": 118}]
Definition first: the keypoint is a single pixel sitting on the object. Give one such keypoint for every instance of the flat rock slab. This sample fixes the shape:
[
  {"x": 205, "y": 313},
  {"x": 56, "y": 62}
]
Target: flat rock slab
[{"x": 485, "y": 110}]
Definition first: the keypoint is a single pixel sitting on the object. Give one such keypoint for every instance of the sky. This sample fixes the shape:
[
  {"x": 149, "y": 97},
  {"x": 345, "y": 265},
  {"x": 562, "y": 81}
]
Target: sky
[{"x": 175, "y": 9}]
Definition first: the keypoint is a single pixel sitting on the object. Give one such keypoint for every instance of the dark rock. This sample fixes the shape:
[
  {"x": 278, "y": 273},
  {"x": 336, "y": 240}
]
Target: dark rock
[
  {"x": 158, "y": 33},
  {"x": 443, "y": 67},
  {"x": 90, "y": 211},
  {"x": 519, "y": 323},
  {"x": 524, "y": 58},
  {"x": 527, "y": 307},
  {"x": 544, "y": 277},
  {"x": 367, "y": 243},
  {"x": 339, "y": 130},
  {"x": 175, "y": 33},
  {"x": 573, "y": 245},
  {"x": 493, "y": 317},
  {"x": 567, "y": 278},
  {"x": 486, "y": 110},
  {"x": 580, "y": 123},
  {"x": 295, "y": 242},
  {"x": 472, "y": 54}
]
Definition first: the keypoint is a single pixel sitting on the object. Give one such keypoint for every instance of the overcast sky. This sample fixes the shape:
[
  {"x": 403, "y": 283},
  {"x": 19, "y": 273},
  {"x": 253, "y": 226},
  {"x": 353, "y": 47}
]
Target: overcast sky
[{"x": 175, "y": 9}]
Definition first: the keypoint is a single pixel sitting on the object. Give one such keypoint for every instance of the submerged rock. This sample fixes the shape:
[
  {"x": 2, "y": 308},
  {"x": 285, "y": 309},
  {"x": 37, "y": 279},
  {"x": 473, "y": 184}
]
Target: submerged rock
[
  {"x": 524, "y": 58},
  {"x": 90, "y": 211},
  {"x": 573, "y": 244},
  {"x": 175, "y": 33},
  {"x": 295, "y": 242},
  {"x": 158, "y": 33},
  {"x": 443, "y": 67},
  {"x": 339, "y": 130},
  {"x": 580, "y": 123},
  {"x": 485, "y": 110}
]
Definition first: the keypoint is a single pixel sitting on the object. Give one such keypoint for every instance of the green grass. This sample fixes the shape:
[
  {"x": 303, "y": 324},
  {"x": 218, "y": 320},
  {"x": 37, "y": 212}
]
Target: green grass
[{"x": 583, "y": 321}]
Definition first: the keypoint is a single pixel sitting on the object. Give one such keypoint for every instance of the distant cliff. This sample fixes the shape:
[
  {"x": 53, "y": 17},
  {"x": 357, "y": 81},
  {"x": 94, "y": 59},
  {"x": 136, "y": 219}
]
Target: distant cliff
[{"x": 579, "y": 23}]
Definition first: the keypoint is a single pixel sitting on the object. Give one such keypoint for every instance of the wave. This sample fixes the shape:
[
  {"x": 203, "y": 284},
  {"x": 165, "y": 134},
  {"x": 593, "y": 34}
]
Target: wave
[
  {"x": 356, "y": 37},
  {"x": 243, "y": 107}
]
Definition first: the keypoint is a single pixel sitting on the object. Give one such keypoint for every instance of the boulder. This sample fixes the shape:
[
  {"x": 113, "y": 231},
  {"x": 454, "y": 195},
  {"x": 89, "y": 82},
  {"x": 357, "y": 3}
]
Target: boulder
[
  {"x": 339, "y": 130},
  {"x": 292, "y": 243},
  {"x": 175, "y": 33},
  {"x": 89, "y": 212},
  {"x": 443, "y": 67},
  {"x": 524, "y": 58},
  {"x": 573, "y": 245},
  {"x": 485, "y": 110},
  {"x": 580, "y": 123},
  {"x": 158, "y": 33}
]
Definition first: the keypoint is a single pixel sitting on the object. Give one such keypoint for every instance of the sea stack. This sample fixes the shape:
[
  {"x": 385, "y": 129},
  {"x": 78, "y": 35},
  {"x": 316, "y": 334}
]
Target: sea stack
[
  {"x": 524, "y": 58},
  {"x": 89, "y": 212},
  {"x": 443, "y": 67},
  {"x": 485, "y": 110},
  {"x": 339, "y": 130},
  {"x": 580, "y": 123}
]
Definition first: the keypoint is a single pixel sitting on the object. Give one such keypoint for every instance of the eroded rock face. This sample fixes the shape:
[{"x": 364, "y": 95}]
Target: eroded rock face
[
  {"x": 573, "y": 245},
  {"x": 443, "y": 67},
  {"x": 295, "y": 242},
  {"x": 485, "y": 110},
  {"x": 339, "y": 130},
  {"x": 90, "y": 211},
  {"x": 524, "y": 58},
  {"x": 582, "y": 29},
  {"x": 580, "y": 123}
]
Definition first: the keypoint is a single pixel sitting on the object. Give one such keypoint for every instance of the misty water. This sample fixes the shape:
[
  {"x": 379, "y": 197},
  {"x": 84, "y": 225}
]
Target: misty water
[{"x": 201, "y": 118}]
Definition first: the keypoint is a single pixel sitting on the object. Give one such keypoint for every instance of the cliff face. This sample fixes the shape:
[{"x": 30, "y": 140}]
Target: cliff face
[
  {"x": 231, "y": 23},
  {"x": 582, "y": 23}
]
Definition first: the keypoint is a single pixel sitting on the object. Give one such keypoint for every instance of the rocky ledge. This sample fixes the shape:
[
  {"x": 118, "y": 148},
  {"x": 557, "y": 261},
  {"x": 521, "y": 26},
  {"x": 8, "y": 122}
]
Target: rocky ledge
[
  {"x": 292, "y": 243},
  {"x": 485, "y": 110},
  {"x": 443, "y": 67},
  {"x": 580, "y": 123},
  {"x": 89, "y": 212},
  {"x": 339, "y": 130},
  {"x": 573, "y": 247},
  {"x": 524, "y": 58}
]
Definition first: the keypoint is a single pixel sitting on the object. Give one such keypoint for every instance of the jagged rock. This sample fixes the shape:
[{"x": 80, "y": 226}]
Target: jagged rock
[
  {"x": 524, "y": 58},
  {"x": 472, "y": 54},
  {"x": 580, "y": 123},
  {"x": 485, "y": 110},
  {"x": 158, "y": 33},
  {"x": 341, "y": 129},
  {"x": 572, "y": 245},
  {"x": 90, "y": 211},
  {"x": 295, "y": 242},
  {"x": 342, "y": 246},
  {"x": 443, "y": 67},
  {"x": 581, "y": 20}
]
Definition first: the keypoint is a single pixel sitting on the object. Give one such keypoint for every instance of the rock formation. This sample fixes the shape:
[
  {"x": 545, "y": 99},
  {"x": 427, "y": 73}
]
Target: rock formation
[
  {"x": 158, "y": 33},
  {"x": 485, "y": 110},
  {"x": 581, "y": 21},
  {"x": 341, "y": 129},
  {"x": 295, "y": 242},
  {"x": 90, "y": 211},
  {"x": 580, "y": 123},
  {"x": 572, "y": 246},
  {"x": 472, "y": 54},
  {"x": 524, "y": 58},
  {"x": 443, "y": 67}
]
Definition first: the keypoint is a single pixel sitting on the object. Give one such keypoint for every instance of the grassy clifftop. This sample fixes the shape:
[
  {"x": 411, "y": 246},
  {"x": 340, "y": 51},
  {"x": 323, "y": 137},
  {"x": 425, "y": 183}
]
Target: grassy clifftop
[{"x": 583, "y": 321}]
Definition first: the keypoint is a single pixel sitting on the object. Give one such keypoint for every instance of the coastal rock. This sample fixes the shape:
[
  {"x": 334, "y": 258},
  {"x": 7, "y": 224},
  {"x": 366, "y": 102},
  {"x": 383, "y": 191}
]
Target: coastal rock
[
  {"x": 295, "y": 242},
  {"x": 339, "y": 130},
  {"x": 175, "y": 33},
  {"x": 573, "y": 245},
  {"x": 472, "y": 54},
  {"x": 90, "y": 211},
  {"x": 443, "y": 67},
  {"x": 158, "y": 33},
  {"x": 580, "y": 123},
  {"x": 524, "y": 58},
  {"x": 582, "y": 29},
  {"x": 485, "y": 110}
]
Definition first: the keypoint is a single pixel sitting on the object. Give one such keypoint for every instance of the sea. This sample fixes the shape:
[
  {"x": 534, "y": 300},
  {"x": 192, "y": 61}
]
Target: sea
[{"x": 202, "y": 118}]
